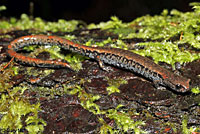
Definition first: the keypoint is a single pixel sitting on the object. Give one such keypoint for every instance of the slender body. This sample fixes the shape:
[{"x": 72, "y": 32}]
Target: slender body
[{"x": 112, "y": 56}]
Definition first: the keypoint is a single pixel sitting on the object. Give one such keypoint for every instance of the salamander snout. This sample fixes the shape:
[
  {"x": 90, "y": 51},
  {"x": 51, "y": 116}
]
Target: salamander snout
[
  {"x": 181, "y": 88},
  {"x": 182, "y": 84}
]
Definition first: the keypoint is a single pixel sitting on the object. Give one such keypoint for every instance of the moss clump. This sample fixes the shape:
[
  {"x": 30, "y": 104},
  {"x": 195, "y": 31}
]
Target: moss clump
[
  {"x": 14, "y": 112},
  {"x": 26, "y": 23},
  {"x": 114, "y": 85},
  {"x": 171, "y": 28},
  {"x": 167, "y": 52},
  {"x": 17, "y": 114},
  {"x": 186, "y": 130}
]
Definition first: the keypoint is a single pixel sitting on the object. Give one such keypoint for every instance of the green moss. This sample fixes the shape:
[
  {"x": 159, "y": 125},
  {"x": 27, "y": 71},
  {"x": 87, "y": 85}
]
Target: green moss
[
  {"x": 75, "y": 60},
  {"x": 172, "y": 28},
  {"x": 17, "y": 114},
  {"x": 2, "y": 8},
  {"x": 105, "y": 128},
  {"x": 166, "y": 26},
  {"x": 114, "y": 85},
  {"x": 117, "y": 43},
  {"x": 16, "y": 110},
  {"x": 123, "y": 120},
  {"x": 87, "y": 100},
  {"x": 5, "y": 77},
  {"x": 166, "y": 52},
  {"x": 195, "y": 90},
  {"x": 69, "y": 37},
  {"x": 114, "y": 23},
  {"x": 38, "y": 73},
  {"x": 186, "y": 130},
  {"x": 5, "y": 36},
  {"x": 26, "y": 23}
]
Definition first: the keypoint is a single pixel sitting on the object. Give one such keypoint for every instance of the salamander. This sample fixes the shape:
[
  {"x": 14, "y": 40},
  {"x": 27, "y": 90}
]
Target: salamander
[{"x": 111, "y": 56}]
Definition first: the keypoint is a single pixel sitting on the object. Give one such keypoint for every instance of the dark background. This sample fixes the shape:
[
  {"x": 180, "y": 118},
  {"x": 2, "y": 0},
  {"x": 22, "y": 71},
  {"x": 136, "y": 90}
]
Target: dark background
[{"x": 91, "y": 10}]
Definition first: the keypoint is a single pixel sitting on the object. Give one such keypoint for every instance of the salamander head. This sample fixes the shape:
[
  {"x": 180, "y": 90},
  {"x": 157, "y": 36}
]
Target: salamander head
[{"x": 179, "y": 84}]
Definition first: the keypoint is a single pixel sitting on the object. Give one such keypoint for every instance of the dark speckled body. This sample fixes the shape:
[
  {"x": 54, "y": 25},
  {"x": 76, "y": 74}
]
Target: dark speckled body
[{"x": 112, "y": 56}]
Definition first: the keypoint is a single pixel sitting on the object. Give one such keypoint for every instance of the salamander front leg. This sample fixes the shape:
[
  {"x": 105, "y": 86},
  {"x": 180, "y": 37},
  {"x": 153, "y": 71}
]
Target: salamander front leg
[
  {"x": 104, "y": 67},
  {"x": 157, "y": 85}
]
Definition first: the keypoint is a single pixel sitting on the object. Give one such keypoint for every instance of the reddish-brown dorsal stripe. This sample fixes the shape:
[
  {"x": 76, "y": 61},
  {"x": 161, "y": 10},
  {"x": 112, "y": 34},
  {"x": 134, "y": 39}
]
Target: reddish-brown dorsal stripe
[{"x": 113, "y": 56}]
